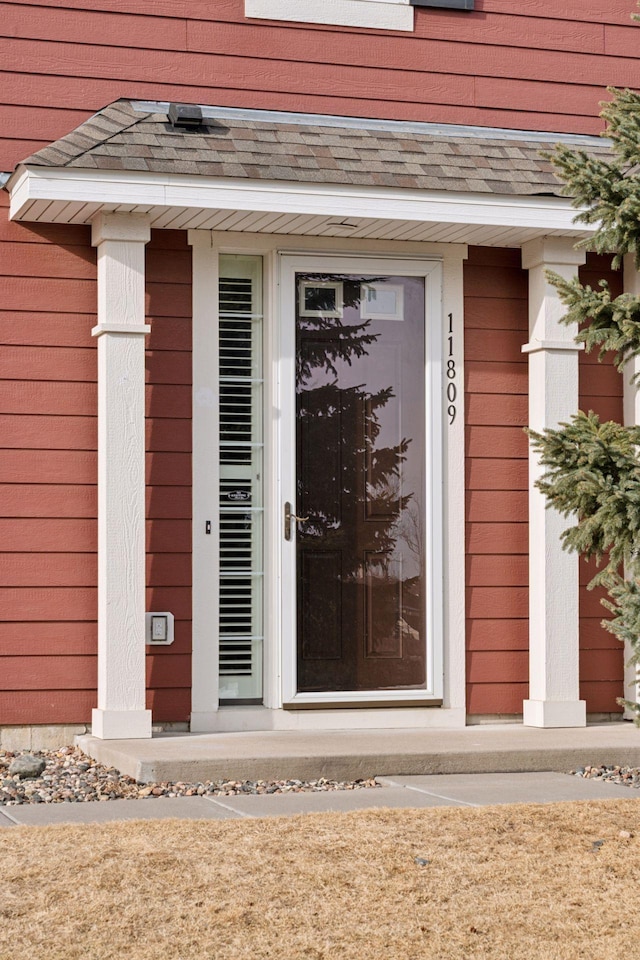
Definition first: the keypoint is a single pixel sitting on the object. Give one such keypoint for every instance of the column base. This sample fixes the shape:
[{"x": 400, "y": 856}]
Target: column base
[
  {"x": 121, "y": 724},
  {"x": 554, "y": 713}
]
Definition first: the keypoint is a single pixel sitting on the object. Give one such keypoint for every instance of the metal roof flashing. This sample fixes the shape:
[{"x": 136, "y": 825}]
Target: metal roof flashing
[{"x": 365, "y": 123}]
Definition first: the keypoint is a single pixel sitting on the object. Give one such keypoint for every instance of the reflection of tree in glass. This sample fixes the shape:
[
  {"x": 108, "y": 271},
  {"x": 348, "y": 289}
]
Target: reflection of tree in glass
[
  {"x": 412, "y": 531},
  {"x": 409, "y": 531},
  {"x": 348, "y": 486},
  {"x": 345, "y": 342}
]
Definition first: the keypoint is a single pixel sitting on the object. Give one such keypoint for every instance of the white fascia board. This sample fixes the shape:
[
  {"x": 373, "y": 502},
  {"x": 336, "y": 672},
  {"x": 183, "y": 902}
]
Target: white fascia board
[
  {"x": 18, "y": 187},
  {"x": 83, "y": 186},
  {"x": 206, "y": 193},
  {"x": 375, "y": 14}
]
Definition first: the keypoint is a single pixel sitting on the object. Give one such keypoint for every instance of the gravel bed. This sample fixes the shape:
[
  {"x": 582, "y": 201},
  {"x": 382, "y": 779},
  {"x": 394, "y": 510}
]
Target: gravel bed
[
  {"x": 71, "y": 777},
  {"x": 627, "y": 776}
]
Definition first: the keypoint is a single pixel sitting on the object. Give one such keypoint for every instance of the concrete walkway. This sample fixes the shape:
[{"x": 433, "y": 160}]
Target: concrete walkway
[
  {"x": 474, "y": 766},
  {"x": 457, "y": 790},
  {"x": 350, "y": 755}
]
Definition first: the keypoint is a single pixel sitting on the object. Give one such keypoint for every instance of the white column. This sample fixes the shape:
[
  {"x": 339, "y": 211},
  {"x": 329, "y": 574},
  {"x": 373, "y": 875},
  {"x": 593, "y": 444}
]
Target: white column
[
  {"x": 553, "y": 573},
  {"x": 121, "y": 713},
  {"x": 631, "y": 403},
  {"x": 205, "y": 484}
]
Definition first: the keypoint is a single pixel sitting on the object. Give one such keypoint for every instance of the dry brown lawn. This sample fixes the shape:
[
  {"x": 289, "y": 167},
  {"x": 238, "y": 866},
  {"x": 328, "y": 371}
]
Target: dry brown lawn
[{"x": 502, "y": 882}]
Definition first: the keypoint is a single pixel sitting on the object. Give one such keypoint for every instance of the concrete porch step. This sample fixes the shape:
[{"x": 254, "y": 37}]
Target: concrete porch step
[{"x": 350, "y": 755}]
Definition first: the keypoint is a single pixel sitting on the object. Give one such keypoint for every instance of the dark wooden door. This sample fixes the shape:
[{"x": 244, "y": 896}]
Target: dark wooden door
[{"x": 360, "y": 373}]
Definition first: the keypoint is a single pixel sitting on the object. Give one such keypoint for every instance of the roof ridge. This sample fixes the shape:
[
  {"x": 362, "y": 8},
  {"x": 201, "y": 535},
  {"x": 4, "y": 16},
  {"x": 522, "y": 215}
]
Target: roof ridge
[{"x": 427, "y": 127}]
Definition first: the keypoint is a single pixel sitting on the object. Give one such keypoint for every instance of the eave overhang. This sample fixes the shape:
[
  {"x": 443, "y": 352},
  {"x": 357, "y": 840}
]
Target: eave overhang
[{"x": 74, "y": 195}]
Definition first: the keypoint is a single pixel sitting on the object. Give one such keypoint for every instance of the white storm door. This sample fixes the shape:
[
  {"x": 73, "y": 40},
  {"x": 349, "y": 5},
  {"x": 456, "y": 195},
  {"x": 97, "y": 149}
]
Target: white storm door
[{"x": 361, "y": 492}]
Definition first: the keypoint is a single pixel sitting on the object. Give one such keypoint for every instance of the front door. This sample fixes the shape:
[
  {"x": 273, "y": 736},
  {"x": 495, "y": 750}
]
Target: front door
[{"x": 358, "y": 522}]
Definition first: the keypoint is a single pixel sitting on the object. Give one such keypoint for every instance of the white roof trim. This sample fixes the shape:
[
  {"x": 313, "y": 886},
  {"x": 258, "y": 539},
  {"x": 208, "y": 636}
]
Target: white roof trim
[{"x": 51, "y": 194}]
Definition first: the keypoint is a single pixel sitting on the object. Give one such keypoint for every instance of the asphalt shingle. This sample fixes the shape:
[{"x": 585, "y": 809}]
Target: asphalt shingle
[{"x": 257, "y": 147}]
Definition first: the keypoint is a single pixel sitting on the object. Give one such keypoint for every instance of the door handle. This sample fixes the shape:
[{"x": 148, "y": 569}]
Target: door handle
[{"x": 290, "y": 519}]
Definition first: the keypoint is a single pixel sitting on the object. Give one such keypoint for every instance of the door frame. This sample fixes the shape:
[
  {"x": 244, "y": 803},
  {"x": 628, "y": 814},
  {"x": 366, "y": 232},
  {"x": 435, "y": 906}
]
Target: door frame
[
  {"x": 206, "y": 714},
  {"x": 431, "y": 270}
]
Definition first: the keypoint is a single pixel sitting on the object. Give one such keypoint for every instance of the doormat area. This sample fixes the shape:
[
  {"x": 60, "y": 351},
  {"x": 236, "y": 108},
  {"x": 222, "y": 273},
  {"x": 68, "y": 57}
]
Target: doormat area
[{"x": 554, "y": 881}]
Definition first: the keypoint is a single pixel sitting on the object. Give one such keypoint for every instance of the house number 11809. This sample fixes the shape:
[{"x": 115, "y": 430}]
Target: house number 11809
[{"x": 452, "y": 390}]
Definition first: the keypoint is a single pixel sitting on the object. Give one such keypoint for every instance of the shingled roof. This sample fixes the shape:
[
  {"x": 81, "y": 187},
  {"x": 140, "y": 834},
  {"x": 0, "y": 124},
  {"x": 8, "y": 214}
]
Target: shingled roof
[{"x": 260, "y": 145}]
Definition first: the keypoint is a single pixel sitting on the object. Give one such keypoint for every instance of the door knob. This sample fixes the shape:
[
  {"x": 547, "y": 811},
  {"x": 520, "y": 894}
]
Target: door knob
[{"x": 290, "y": 518}]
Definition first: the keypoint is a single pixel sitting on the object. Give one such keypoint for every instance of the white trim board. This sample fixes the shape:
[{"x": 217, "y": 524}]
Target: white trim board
[
  {"x": 236, "y": 719},
  {"x": 207, "y": 716},
  {"x": 376, "y": 14},
  {"x": 205, "y": 481},
  {"x": 64, "y": 195}
]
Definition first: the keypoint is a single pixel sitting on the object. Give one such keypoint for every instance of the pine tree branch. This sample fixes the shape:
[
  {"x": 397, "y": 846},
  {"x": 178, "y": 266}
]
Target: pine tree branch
[{"x": 610, "y": 324}]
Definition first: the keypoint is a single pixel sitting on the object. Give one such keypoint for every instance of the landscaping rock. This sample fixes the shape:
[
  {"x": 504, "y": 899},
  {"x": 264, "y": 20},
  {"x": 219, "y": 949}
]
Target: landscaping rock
[
  {"x": 69, "y": 776},
  {"x": 628, "y": 776},
  {"x": 27, "y": 767}
]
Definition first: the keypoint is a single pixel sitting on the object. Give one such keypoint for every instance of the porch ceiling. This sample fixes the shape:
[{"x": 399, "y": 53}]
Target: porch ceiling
[{"x": 301, "y": 175}]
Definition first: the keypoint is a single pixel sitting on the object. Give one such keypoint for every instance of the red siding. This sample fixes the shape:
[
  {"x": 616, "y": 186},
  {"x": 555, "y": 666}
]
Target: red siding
[
  {"x": 497, "y": 563},
  {"x": 47, "y": 476},
  {"x": 48, "y": 472},
  {"x": 601, "y": 655},
  {"x": 529, "y": 64},
  {"x": 169, "y": 492},
  {"x": 534, "y": 65},
  {"x": 496, "y": 324}
]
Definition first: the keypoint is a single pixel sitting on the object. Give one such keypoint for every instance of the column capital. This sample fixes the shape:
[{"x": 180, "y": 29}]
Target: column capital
[
  {"x": 551, "y": 251},
  {"x": 536, "y": 346},
  {"x": 127, "y": 329},
  {"x": 127, "y": 227}
]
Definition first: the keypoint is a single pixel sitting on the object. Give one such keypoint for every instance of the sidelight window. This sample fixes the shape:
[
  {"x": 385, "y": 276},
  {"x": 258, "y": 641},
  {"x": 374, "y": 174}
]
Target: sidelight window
[{"x": 241, "y": 479}]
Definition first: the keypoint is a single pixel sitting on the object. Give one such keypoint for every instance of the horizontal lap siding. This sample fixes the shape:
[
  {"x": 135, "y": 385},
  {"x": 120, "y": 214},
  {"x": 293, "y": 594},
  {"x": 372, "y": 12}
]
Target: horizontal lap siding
[
  {"x": 601, "y": 654},
  {"x": 48, "y": 468},
  {"x": 169, "y": 491},
  {"x": 496, "y": 448},
  {"x": 495, "y": 289},
  {"x": 535, "y": 65},
  {"x": 47, "y": 475},
  {"x": 530, "y": 64}
]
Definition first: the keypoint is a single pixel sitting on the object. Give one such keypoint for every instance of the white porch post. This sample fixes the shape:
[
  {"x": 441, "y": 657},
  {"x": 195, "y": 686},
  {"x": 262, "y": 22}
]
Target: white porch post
[
  {"x": 553, "y": 573},
  {"x": 631, "y": 403},
  {"x": 121, "y": 713},
  {"x": 205, "y": 548}
]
